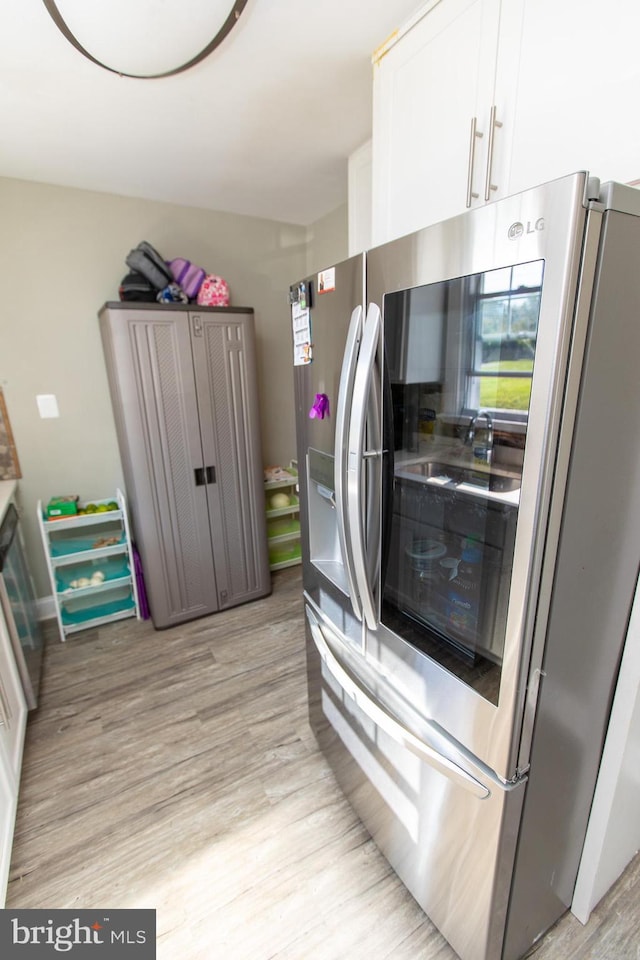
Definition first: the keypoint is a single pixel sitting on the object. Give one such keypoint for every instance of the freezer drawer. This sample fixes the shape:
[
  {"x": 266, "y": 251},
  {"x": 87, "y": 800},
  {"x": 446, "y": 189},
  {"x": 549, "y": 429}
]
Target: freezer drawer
[{"x": 446, "y": 824}]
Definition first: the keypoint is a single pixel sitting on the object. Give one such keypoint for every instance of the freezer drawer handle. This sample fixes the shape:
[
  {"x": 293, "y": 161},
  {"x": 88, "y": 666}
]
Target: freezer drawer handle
[{"x": 385, "y": 721}]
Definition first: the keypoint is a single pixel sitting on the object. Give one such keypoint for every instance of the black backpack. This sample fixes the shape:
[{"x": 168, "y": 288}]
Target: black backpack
[{"x": 136, "y": 287}]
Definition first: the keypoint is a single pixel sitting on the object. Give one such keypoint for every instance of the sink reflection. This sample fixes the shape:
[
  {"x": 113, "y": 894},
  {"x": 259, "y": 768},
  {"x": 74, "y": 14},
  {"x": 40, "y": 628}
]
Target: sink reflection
[{"x": 493, "y": 479}]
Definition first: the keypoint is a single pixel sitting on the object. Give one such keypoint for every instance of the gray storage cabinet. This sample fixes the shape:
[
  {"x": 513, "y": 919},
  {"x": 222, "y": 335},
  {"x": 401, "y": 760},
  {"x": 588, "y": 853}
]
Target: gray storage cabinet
[{"x": 183, "y": 387}]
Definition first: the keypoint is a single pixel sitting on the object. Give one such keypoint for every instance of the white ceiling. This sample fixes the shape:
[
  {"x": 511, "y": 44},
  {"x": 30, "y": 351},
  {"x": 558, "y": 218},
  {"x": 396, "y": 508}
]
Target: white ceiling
[{"x": 263, "y": 127}]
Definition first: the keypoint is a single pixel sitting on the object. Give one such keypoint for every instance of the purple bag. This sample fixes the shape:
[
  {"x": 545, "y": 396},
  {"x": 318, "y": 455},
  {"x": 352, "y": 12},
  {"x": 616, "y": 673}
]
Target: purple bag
[{"x": 187, "y": 275}]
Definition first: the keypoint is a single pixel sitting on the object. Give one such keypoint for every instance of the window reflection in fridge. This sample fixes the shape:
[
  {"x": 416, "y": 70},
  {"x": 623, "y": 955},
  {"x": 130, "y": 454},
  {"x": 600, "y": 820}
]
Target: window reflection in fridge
[{"x": 459, "y": 359}]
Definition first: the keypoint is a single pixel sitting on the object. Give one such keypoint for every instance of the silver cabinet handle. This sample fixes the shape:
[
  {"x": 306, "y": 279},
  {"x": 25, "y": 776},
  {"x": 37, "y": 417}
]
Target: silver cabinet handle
[
  {"x": 356, "y": 459},
  {"x": 475, "y": 135},
  {"x": 493, "y": 123},
  {"x": 345, "y": 393},
  {"x": 385, "y": 721}
]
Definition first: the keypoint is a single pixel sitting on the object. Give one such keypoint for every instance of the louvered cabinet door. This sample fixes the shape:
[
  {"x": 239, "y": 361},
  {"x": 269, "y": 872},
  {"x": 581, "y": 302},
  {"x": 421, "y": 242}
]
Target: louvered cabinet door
[
  {"x": 150, "y": 369},
  {"x": 225, "y": 364}
]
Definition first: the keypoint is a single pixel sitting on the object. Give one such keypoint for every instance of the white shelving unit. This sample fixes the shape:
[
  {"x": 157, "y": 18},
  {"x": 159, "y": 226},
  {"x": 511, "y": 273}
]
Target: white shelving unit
[
  {"x": 91, "y": 567},
  {"x": 283, "y": 522}
]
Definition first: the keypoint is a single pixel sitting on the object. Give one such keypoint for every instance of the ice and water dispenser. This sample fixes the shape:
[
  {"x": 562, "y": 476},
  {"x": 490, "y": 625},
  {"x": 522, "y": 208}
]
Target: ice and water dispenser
[{"x": 324, "y": 540}]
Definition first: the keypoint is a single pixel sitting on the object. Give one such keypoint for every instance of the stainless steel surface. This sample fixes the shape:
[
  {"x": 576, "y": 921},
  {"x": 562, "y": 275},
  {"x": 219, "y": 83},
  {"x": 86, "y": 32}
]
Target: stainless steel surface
[
  {"x": 453, "y": 850},
  {"x": 479, "y": 241},
  {"x": 475, "y": 134},
  {"x": 479, "y": 795},
  {"x": 373, "y": 460},
  {"x": 493, "y": 124},
  {"x": 325, "y": 575},
  {"x": 619, "y": 196},
  {"x": 540, "y": 612},
  {"x": 356, "y": 496},
  {"x": 345, "y": 397},
  {"x": 322, "y": 518},
  {"x": 384, "y": 720},
  {"x": 592, "y": 595}
]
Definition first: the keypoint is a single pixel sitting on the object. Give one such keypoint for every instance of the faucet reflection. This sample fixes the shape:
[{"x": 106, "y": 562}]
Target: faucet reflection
[{"x": 482, "y": 449}]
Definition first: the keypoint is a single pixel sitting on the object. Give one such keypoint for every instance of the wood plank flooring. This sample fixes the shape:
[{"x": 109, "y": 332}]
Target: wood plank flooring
[{"x": 176, "y": 770}]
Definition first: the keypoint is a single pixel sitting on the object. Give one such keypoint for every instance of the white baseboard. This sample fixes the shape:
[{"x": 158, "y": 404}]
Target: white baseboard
[{"x": 46, "y": 608}]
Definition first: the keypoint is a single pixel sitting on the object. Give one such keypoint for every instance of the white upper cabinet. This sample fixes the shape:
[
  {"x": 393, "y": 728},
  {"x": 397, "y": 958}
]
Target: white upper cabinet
[
  {"x": 433, "y": 90},
  {"x": 478, "y": 99},
  {"x": 577, "y": 93}
]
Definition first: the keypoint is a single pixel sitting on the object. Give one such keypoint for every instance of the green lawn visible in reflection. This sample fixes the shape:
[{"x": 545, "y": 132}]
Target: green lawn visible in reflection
[{"x": 505, "y": 393}]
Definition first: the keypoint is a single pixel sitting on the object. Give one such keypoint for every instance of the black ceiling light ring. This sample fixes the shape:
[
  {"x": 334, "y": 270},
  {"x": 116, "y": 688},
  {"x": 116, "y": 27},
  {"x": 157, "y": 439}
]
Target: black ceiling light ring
[{"x": 225, "y": 29}]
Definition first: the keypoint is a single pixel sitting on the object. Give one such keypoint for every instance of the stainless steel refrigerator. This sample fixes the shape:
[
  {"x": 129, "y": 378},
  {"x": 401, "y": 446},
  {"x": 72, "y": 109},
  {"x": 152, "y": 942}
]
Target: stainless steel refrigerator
[{"x": 468, "y": 431}]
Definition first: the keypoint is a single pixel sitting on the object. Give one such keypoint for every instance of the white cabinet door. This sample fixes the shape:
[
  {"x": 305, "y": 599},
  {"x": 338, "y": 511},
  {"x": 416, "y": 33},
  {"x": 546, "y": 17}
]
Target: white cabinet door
[
  {"x": 13, "y": 719},
  {"x": 8, "y": 807},
  {"x": 578, "y": 92},
  {"x": 13, "y": 707},
  {"x": 428, "y": 87}
]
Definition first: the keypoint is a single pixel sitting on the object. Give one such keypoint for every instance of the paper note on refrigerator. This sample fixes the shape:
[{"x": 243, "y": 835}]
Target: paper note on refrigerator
[{"x": 301, "y": 321}]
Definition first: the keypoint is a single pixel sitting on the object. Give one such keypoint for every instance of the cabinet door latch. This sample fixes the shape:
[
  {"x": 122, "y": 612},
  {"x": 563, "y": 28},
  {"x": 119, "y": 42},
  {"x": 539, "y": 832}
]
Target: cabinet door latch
[{"x": 204, "y": 475}]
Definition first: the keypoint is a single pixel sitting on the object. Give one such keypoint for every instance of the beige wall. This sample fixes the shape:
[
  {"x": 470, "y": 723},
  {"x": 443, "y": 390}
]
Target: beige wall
[
  {"x": 327, "y": 240},
  {"x": 62, "y": 253}
]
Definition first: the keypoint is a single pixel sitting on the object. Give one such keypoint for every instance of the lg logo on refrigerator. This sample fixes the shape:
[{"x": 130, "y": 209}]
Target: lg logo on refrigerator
[{"x": 518, "y": 229}]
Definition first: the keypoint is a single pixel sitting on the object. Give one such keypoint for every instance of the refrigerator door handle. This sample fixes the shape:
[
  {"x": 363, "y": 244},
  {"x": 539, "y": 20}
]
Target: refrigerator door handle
[
  {"x": 345, "y": 394},
  {"x": 385, "y": 721},
  {"x": 356, "y": 455}
]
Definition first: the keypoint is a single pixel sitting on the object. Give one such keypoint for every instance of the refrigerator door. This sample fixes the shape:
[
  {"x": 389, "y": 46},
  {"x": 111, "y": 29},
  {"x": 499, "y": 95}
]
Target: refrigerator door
[
  {"x": 334, "y": 300},
  {"x": 446, "y": 823},
  {"x": 483, "y": 326}
]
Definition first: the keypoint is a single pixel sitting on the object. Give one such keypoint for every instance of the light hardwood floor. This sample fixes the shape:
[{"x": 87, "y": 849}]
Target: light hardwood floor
[{"x": 176, "y": 770}]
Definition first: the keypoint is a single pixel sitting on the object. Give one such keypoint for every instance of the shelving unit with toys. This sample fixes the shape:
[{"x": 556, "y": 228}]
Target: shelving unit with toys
[
  {"x": 90, "y": 561},
  {"x": 283, "y": 516}
]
